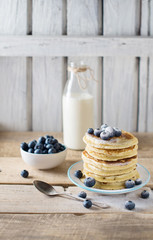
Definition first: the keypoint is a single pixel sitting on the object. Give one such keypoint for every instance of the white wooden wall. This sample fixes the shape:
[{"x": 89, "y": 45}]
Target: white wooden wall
[{"x": 33, "y": 69}]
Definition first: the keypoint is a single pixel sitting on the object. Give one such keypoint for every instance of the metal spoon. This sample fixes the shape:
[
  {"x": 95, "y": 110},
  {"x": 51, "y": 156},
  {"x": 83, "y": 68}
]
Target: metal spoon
[{"x": 50, "y": 191}]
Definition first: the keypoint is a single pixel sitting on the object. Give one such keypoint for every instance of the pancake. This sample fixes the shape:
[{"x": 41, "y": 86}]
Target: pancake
[
  {"x": 112, "y": 155},
  {"x": 118, "y": 178},
  {"x": 106, "y": 173},
  {"x": 114, "y": 185},
  {"x": 109, "y": 165},
  {"x": 110, "y": 162},
  {"x": 126, "y": 140}
]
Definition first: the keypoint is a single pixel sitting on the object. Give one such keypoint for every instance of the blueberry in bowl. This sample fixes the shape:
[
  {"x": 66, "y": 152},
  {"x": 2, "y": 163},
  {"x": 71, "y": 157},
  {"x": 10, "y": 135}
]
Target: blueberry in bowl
[{"x": 45, "y": 153}]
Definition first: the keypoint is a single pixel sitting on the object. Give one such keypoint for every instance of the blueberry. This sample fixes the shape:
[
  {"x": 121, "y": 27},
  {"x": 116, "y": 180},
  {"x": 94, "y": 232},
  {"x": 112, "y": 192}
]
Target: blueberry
[
  {"x": 90, "y": 131},
  {"x": 48, "y": 146},
  {"x": 145, "y": 194},
  {"x": 89, "y": 182},
  {"x": 54, "y": 140},
  {"x": 48, "y": 136},
  {"x": 31, "y": 150},
  {"x": 45, "y": 151},
  {"x": 82, "y": 194},
  {"x": 118, "y": 132},
  {"x": 103, "y": 126},
  {"x": 39, "y": 146},
  {"x": 105, "y": 135},
  {"x": 138, "y": 181},
  {"x": 57, "y": 146},
  {"x": 24, "y": 146},
  {"x": 87, "y": 203},
  {"x": 129, "y": 183},
  {"x": 97, "y": 132},
  {"x": 129, "y": 205},
  {"x": 49, "y": 141},
  {"x": 32, "y": 144},
  {"x": 111, "y": 131},
  {"x": 41, "y": 140},
  {"x": 24, "y": 173},
  {"x": 62, "y": 148},
  {"x": 38, "y": 151},
  {"x": 78, "y": 174},
  {"x": 52, "y": 150}
]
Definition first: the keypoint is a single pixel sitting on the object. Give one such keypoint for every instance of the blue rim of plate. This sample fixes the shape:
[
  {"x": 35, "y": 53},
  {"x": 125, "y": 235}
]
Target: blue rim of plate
[{"x": 124, "y": 190}]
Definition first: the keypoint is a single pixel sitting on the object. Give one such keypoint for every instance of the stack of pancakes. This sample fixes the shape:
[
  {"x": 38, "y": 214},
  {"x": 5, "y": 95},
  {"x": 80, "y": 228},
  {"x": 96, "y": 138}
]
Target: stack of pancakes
[{"x": 111, "y": 162}]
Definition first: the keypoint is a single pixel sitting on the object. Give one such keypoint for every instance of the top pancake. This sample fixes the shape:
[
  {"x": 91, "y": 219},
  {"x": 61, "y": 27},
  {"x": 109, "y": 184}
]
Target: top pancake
[{"x": 124, "y": 141}]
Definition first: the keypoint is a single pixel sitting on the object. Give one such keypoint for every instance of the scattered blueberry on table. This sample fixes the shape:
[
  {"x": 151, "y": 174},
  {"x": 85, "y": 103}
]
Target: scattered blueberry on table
[
  {"x": 78, "y": 174},
  {"x": 24, "y": 173},
  {"x": 138, "y": 181},
  {"x": 129, "y": 205},
  {"x": 145, "y": 194},
  {"x": 105, "y": 132},
  {"x": 82, "y": 194},
  {"x": 44, "y": 145},
  {"x": 87, "y": 203},
  {"x": 129, "y": 183},
  {"x": 89, "y": 182}
]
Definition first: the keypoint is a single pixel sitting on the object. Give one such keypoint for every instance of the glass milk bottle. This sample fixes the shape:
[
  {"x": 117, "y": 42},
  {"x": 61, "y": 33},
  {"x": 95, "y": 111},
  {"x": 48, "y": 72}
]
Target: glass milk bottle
[{"x": 77, "y": 107}]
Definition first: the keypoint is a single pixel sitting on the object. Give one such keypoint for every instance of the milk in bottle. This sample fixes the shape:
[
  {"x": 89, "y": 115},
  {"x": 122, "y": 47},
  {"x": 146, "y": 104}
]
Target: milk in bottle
[{"x": 77, "y": 108}]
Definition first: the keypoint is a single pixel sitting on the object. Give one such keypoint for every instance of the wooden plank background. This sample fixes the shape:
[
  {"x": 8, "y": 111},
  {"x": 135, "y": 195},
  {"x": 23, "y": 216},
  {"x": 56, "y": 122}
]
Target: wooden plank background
[{"x": 31, "y": 87}]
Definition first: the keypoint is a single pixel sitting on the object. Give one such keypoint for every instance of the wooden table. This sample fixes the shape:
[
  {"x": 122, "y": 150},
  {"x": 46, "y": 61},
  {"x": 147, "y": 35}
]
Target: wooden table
[{"x": 25, "y": 213}]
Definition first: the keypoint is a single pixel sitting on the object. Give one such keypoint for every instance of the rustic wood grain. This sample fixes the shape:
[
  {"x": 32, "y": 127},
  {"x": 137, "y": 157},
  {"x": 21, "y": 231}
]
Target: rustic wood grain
[
  {"x": 14, "y": 104},
  {"x": 39, "y": 216},
  {"x": 10, "y": 143},
  {"x": 150, "y": 83},
  {"x": 89, "y": 23},
  {"x": 120, "y": 73},
  {"x": 12, "y": 167},
  {"x": 27, "y": 199},
  {"x": 63, "y": 46},
  {"x": 48, "y": 72},
  {"x": 69, "y": 226},
  {"x": 143, "y": 71}
]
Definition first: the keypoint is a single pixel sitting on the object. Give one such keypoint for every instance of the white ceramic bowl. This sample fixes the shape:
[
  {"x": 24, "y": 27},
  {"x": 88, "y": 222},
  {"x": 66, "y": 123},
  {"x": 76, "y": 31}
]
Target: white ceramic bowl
[{"x": 43, "y": 161}]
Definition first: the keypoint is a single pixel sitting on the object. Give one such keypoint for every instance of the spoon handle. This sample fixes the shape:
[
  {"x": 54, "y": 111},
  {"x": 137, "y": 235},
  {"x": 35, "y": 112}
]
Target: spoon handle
[{"x": 97, "y": 204}]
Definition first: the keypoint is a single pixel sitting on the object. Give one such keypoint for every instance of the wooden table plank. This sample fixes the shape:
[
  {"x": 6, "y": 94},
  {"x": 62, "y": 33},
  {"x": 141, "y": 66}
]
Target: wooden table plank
[
  {"x": 11, "y": 168},
  {"x": 10, "y": 143},
  {"x": 27, "y": 199},
  {"x": 42, "y": 217},
  {"x": 69, "y": 226}
]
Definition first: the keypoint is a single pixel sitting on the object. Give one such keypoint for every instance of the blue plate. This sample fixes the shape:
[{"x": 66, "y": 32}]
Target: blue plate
[{"x": 144, "y": 175}]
